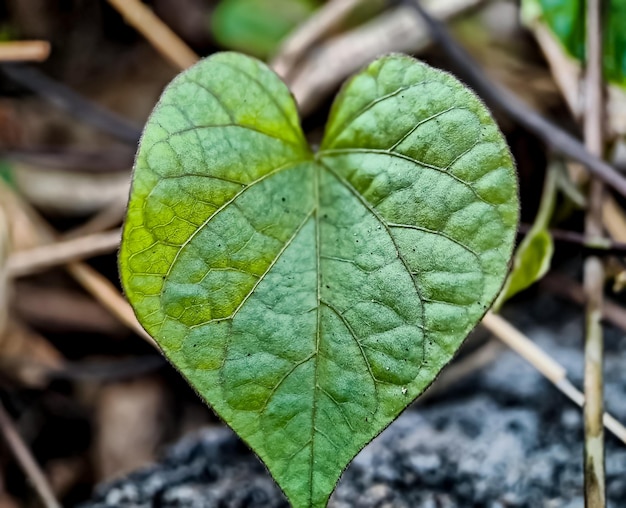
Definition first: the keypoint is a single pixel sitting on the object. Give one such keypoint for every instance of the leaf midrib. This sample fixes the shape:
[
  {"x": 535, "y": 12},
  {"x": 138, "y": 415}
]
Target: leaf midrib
[{"x": 318, "y": 166}]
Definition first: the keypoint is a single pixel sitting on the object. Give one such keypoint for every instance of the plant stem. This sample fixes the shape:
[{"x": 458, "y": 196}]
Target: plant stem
[{"x": 594, "y": 270}]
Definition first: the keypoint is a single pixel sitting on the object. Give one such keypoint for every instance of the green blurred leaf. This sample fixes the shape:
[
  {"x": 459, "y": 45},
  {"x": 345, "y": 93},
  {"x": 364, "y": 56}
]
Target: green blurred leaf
[
  {"x": 566, "y": 19},
  {"x": 534, "y": 254},
  {"x": 310, "y": 297},
  {"x": 257, "y": 27}
]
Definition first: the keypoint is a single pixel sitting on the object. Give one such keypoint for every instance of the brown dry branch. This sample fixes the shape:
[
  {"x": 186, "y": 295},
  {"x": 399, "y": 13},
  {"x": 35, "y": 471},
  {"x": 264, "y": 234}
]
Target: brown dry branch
[
  {"x": 614, "y": 219},
  {"x": 24, "y": 51},
  {"x": 294, "y": 48},
  {"x": 337, "y": 58},
  {"x": 568, "y": 74},
  {"x": 62, "y": 192},
  {"x": 62, "y": 252},
  {"x": 158, "y": 34},
  {"x": 602, "y": 244},
  {"x": 67, "y": 159},
  {"x": 108, "y": 217},
  {"x": 476, "y": 360},
  {"x": 17, "y": 342},
  {"x": 96, "y": 284},
  {"x": 25, "y": 355},
  {"x": 62, "y": 310},
  {"x": 66, "y": 99},
  {"x": 5, "y": 242}
]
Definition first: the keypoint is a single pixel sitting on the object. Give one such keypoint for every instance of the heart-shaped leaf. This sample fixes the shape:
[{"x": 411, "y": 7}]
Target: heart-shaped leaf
[{"x": 309, "y": 298}]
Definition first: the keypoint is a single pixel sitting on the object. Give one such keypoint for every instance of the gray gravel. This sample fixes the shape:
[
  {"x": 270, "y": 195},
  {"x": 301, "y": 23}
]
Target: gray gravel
[{"x": 502, "y": 438}]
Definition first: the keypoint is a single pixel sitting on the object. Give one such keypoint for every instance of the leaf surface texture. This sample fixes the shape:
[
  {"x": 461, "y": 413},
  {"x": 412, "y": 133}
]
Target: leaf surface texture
[{"x": 310, "y": 297}]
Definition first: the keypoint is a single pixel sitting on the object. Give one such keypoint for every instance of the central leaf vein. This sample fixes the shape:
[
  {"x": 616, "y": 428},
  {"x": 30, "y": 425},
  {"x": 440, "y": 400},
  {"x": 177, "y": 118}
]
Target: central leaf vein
[
  {"x": 316, "y": 188},
  {"x": 393, "y": 241}
]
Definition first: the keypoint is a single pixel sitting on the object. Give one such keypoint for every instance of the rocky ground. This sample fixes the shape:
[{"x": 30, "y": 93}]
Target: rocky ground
[{"x": 503, "y": 437}]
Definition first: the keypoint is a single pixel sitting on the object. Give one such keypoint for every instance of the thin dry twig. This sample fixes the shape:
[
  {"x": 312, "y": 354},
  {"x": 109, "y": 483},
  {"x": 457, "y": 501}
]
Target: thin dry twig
[
  {"x": 106, "y": 293},
  {"x": 58, "y": 309},
  {"x": 35, "y": 260},
  {"x": 97, "y": 285},
  {"x": 26, "y": 460},
  {"x": 601, "y": 244},
  {"x": 158, "y": 34},
  {"x": 594, "y": 270},
  {"x": 549, "y": 132},
  {"x": 338, "y": 57},
  {"x": 546, "y": 365},
  {"x": 314, "y": 29},
  {"x": 5, "y": 239},
  {"x": 24, "y": 51},
  {"x": 110, "y": 216}
]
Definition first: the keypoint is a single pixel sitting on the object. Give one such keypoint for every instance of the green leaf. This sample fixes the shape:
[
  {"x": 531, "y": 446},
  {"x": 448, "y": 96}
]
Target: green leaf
[
  {"x": 309, "y": 298},
  {"x": 258, "y": 26},
  {"x": 566, "y": 19},
  {"x": 534, "y": 255}
]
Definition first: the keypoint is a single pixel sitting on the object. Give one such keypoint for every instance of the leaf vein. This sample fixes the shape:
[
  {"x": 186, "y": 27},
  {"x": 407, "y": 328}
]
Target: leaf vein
[
  {"x": 397, "y": 248},
  {"x": 260, "y": 278},
  {"x": 369, "y": 106},
  {"x": 437, "y": 233}
]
